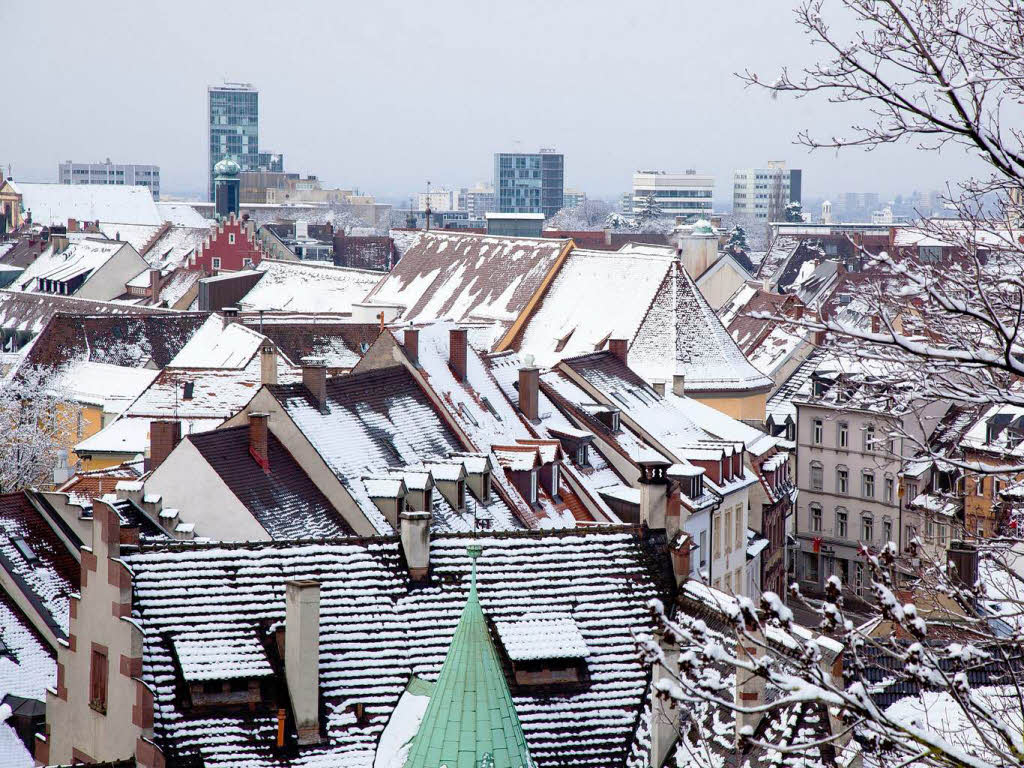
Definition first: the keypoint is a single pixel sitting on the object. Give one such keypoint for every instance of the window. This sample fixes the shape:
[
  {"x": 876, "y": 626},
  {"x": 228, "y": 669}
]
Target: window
[
  {"x": 929, "y": 254},
  {"x": 24, "y": 549},
  {"x": 533, "y": 487},
  {"x": 887, "y": 529},
  {"x": 869, "y": 438},
  {"x": 996, "y": 483},
  {"x": 216, "y": 262},
  {"x": 583, "y": 456},
  {"x": 843, "y": 434},
  {"x": 98, "y": 680},
  {"x": 929, "y": 529},
  {"x": 890, "y": 485},
  {"x": 702, "y": 548},
  {"x": 816, "y": 518},
  {"x": 817, "y": 432},
  {"x": 867, "y": 529},
  {"x": 911, "y": 491},
  {"x": 716, "y": 534},
  {"x": 810, "y": 566},
  {"x": 868, "y": 485},
  {"x": 817, "y": 476},
  {"x": 910, "y": 533},
  {"x": 739, "y": 527},
  {"x": 942, "y": 535},
  {"x": 728, "y": 527},
  {"x": 892, "y": 445},
  {"x": 842, "y": 518},
  {"x": 728, "y": 582},
  {"x": 842, "y": 480},
  {"x": 554, "y": 480},
  {"x": 460, "y": 494},
  {"x": 247, "y": 263},
  {"x": 231, "y": 238}
]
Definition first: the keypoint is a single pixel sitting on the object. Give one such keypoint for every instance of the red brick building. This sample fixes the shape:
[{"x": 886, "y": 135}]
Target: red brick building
[{"x": 231, "y": 246}]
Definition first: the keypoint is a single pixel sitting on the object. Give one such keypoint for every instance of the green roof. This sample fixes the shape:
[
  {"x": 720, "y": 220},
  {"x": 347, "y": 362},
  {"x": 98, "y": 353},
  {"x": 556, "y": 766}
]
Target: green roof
[{"x": 470, "y": 720}]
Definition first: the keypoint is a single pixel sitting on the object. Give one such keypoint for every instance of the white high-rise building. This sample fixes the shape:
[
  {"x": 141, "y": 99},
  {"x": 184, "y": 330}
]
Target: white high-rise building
[
  {"x": 763, "y": 193},
  {"x": 439, "y": 200},
  {"x": 126, "y": 174},
  {"x": 478, "y": 200},
  {"x": 685, "y": 196}
]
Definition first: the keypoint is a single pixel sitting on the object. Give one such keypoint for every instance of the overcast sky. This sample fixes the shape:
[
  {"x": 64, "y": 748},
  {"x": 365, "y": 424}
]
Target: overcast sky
[{"x": 382, "y": 95}]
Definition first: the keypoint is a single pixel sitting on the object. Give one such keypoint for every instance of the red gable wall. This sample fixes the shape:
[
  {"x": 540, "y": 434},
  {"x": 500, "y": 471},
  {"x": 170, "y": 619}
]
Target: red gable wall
[{"x": 232, "y": 255}]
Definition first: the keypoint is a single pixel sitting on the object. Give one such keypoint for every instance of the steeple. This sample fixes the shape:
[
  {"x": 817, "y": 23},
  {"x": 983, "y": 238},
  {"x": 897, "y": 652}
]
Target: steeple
[{"x": 470, "y": 720}]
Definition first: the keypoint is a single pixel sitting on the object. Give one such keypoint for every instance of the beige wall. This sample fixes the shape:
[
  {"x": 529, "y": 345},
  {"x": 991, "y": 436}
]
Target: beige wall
[
  {"x": 187, "y": 483},
  {"x": 108, "y": 282},
  {"x": 721, "y": 283},
  {"x": 749, "y": 406},
  {"x": 100, "y": 618}
]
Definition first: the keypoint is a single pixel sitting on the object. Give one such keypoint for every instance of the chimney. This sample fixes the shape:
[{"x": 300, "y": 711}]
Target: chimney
[
  {"x": 258, "y": 439},
  {"x": 314, "y": 379},
  {"x": 164, "y": 436},
  {"x": 415, "y": 532},
  {"x": 411, "y": 343},
  {"x": 154, "y": 284},
  {"x": 268, "y": 362},
  {"x": 619, "y": 348},
  {"x": 679, "y": 385},
  {"x": 72, "y": 225},
  {"x": 749, "y": 691},
  {"x": 654, "y": 490},
  {"x": 964, "y": 559},
  {"x": 529, "y": 383},
  {"x": 457, "y": 352},
  {"x": 302, "y": 656},
  {"x": 230, "y": 314}
]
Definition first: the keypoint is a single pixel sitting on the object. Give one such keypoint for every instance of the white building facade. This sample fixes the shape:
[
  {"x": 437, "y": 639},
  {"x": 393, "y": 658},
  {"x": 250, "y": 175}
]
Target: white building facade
[
  {"x": 763, "y": 193},
  {"x": 685, "y": 196},
  {"x": 126, "y": 174}
]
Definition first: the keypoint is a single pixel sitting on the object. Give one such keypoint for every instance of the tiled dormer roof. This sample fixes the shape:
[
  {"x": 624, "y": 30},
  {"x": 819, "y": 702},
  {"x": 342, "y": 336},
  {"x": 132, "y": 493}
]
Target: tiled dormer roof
[{"x": 378, "y": 630}]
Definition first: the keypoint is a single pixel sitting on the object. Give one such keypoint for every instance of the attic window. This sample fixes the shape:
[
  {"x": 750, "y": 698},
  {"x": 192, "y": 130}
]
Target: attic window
[
  {"x": 554, "y": 479},
  {"x": 546, "y": 650},
  {"x": 25, "y": 550},
  {"x": 533, "y": 487},
  {"x": 487, "y": 488},
  {"x": 467, "y": 415},
  {"x": 363, "y": 347},
  {"x": 490, "y": 408},
  {"x": 583, "y": 455},
  {"x": 188, "y": 390}
]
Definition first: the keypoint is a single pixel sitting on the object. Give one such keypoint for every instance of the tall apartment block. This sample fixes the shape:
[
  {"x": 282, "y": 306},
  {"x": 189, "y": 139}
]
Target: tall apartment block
[
  {"x": 685, "y": 196},
  {"x": 233, "y": 126},
  {"x": 763, "y": 193},
  {"x": 127, "y": 174},
  {"x": 529, "y": 182}
]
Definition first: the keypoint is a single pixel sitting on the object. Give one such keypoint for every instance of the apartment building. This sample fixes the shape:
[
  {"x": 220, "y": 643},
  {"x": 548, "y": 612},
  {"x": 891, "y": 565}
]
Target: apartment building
[
  {"x": 763, "y": 193},
  {"x": 126, "y": 174},
  {"x": 685, "y": 196}
]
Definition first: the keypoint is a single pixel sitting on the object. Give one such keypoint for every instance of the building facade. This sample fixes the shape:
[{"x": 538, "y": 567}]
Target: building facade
[
  {"x": 233, "y": 128},
  {"x": 476, "y": 201},
  {"x": 127, "y": 174},
  {"x": 529, "y": 182},
  {"x": 573, "y": 198},
  {"x": 685, "y": 196},
  {"x": 763, "y": 193},
  {"x": 439, "y": 200}
]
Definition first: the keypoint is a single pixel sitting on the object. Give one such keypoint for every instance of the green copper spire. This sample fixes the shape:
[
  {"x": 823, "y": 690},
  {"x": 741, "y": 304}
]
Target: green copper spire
[{"x": 470, "y": 720}]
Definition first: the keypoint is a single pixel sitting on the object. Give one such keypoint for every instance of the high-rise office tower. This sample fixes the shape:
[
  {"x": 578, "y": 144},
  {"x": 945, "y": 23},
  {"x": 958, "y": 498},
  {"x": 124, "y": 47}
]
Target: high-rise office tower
[
  {"x": 234, "y": 121},
  {"x": 529, "y": 182},
  {"x": 764, "y": 193}
]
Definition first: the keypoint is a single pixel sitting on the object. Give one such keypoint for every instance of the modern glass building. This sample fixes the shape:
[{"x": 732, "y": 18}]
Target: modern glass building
[
  {"x": 233, "y": 126},
  {"x": 529, "y": 182}
]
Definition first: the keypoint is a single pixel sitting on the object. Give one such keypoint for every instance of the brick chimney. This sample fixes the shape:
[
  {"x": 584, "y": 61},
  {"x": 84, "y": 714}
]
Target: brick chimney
[
  {"x": 679, "y": 385},
  {"x": 154, "y": 284},
  {"x": 314, "y": 379},
  {"x": 258, "y": 439},
  {"x": 411, "y": 344},
  {"x": 619, "y": 348},
  {"x": 414, "y": 528},
  {"x": 529, "y": 384},
  {"x": 302, "y": 656},
  {"x": 268, "y": 362},
  {"x": 457, "y": 352},
  {"x": 164, "y": 436}
]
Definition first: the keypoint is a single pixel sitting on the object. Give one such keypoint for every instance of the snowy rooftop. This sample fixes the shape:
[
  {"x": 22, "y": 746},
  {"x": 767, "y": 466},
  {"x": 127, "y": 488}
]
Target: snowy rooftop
[
  {"x": 80, "y": 258},
  {"x": 219, "y": 343},
  {"x": 112, "y": 387},
  {"x": 377, "y": 632},
  {"x": 181, "y": 214},
  {"x": 547, "y": 636},
  {"x": 220, "y": 656},
  {"x": 308, "y": 287},
  {"x": 56, "y": 203},
  {"x": 467, "y": 277}
]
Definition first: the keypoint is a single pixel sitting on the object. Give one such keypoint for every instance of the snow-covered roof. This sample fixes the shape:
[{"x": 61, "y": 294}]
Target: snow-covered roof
[
  {"x": 181, "y": 214},
  {"x": 136, "y": 235},
  {"x": 220, "y": 656},
  {"x": 601, "y": 578},
  {"x": 112, "y": 387},
  {"x": 301, "y": 286},
  {"x": 26, "y": 670},
  {"x": 544, "y": 636},
  {"x": 219, "y": 343},
  {"x": 467, "y": 277},
  {"x": 56, "y": 203},
  {"x": 79, "y": 258}
]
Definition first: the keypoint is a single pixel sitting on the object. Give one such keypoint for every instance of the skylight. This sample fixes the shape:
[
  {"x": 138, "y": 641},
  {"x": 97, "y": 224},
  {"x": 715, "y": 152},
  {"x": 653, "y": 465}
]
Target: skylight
[{"x": 26, "y": 551}]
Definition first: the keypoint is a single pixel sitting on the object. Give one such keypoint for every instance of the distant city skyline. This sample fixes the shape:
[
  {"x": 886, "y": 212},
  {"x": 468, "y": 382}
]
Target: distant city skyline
[{"x": 357, "y": 117}]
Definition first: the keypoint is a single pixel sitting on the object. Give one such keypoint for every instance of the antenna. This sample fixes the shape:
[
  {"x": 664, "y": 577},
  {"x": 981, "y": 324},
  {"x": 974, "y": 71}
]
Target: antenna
[{"x": 428, "y": 205}]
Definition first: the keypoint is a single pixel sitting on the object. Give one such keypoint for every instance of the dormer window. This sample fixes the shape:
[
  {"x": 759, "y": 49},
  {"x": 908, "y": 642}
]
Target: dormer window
[
  {"x": 485, "y": 495},
  {"x": 615, "y": 421},
  {"x": 460, "y": 494},
  {"x": 545, "y": 650},
  {"x": 554, "y": 479},
  {"x": 533, "y": 487},
  {"x": 583, "y": 455}
]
